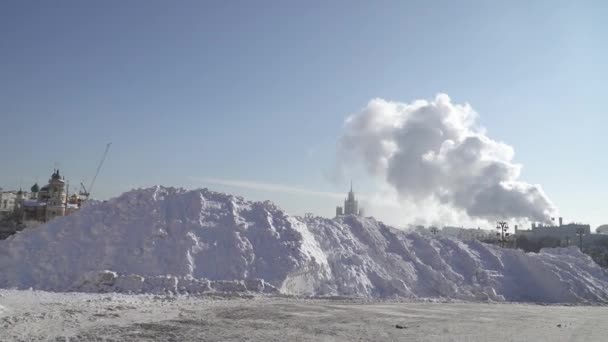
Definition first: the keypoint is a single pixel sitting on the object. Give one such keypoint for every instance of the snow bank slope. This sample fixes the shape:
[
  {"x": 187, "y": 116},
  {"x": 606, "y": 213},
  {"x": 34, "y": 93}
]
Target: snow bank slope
[
  {"x": 370, "y": 259},
  {"x": 159, "y": 239},
  {"x": 161, "y": 231}
]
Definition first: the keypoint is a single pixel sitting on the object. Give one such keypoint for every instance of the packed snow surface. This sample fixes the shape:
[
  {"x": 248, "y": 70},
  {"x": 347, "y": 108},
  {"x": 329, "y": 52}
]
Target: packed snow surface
[
  {"x": 166, "y": 239},
  {"x": 37, "y": 316}
]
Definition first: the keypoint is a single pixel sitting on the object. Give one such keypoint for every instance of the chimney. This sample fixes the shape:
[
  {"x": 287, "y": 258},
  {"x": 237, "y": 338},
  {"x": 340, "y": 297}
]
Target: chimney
[
  {"x": 561, "y": 221},
  {"x": 515, "y": 229}
]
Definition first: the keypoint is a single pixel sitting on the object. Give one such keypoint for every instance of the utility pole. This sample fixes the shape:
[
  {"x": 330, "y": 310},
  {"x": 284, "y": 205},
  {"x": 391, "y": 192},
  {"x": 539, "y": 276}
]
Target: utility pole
[
  {"x": 502, "y": 234},
  {"x": 580, "y": 232}
]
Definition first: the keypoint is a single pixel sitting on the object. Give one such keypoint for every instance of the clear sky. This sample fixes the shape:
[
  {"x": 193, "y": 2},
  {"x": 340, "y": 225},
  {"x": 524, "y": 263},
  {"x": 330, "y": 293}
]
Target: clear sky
[{"x": 250, "y": 96}]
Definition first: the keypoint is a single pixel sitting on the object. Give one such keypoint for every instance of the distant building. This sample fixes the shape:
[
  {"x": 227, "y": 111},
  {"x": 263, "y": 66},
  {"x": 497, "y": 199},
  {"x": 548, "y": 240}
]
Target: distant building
[
  {"x": 566, "y": 232},
  {"x": 20, "y": 210},
  {"x": 351, "y": 206},
  {"x": 466, "y": 233},
  {"x": 47, "y": 202},
  {"x": 603, "y": 229},
  {"x": 9, "y": 201}
]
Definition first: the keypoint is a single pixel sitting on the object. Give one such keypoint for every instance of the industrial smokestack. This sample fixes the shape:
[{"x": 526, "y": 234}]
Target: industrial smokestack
[{"x": 561, "y": 221}]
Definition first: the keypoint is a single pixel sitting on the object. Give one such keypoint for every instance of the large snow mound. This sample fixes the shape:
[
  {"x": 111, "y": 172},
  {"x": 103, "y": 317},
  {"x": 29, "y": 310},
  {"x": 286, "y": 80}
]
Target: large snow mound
[
  {"x": 154, "y": 238},
  {"x": 167, "y": 239},
  {"x": 370, "y": 259}
]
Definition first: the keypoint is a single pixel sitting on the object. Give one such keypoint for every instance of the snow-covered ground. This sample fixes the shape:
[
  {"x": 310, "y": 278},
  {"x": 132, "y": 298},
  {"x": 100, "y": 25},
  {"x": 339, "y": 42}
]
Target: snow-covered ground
[
  {"x": 160, "y": 240},
  {"x": 44, "y": 316}
]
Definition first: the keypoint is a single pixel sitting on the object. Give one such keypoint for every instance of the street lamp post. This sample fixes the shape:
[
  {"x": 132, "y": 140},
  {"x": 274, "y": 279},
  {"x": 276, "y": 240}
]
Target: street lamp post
[
  {"x": 580, "y": 232},
  {"x": 502, "y": 234}
]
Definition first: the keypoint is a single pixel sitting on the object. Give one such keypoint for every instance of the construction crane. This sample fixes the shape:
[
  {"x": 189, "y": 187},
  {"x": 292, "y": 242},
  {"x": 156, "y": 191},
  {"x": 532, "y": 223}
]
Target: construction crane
[
  {"x": 86, "y": 193},
  {"x": 83, "y": 191}
]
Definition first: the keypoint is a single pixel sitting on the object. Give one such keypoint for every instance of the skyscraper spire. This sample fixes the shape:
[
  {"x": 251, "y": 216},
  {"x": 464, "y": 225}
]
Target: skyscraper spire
[{"x": 351, "y": 206}]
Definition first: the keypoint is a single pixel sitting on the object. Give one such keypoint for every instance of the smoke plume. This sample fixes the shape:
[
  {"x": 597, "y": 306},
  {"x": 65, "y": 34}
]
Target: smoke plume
[{"x": 435, "y": 150}]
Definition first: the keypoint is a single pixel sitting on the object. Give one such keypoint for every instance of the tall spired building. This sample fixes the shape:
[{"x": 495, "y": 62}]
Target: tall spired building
[{"x": 351, "y": 206}]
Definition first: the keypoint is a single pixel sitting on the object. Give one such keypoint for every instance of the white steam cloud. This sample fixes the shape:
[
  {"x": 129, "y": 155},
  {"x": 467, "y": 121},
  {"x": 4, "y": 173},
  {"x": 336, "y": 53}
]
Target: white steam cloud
[{"x": 434, "y": 150}]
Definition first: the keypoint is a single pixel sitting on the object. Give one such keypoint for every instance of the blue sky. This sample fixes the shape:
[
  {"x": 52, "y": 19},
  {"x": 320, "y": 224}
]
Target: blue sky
[{"x": 250, "y": 97}]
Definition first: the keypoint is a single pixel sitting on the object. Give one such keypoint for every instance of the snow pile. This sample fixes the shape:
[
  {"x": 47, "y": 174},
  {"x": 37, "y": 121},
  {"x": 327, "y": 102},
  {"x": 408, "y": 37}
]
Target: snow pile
[
  {"x": 165, "y": 239},
  {"x": 370, "y": 259},
  {"x": 159, "y": 239}
]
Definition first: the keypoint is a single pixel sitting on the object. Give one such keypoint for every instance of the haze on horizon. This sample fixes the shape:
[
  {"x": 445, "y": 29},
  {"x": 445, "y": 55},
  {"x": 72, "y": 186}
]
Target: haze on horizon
[{"x": 253, "y": 98}]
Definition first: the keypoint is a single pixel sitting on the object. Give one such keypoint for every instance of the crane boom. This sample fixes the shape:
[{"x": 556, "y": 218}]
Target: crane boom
[
  {"x": 103, "y": 159},
  {"x": 83, "y": 191}
]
